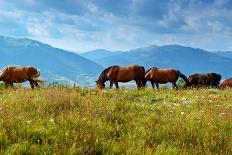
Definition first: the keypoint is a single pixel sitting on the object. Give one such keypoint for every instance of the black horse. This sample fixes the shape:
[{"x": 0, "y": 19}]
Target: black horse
[{"x": 204, "y": 80}]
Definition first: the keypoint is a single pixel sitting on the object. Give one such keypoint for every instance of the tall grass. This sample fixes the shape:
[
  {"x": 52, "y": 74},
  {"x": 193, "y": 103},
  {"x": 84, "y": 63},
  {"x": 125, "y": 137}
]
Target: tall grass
[{"x": 87, "y": 121}]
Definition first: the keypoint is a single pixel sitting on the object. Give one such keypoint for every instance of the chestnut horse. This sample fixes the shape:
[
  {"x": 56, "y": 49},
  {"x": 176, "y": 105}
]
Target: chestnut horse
[
  {"x": 204, "y": 80},
  {"x": 116, "y": 74},
  {"x": 10, "y": 75},
  {"x": 156, "y": 76},
  {"x": 226, "y": 84}
]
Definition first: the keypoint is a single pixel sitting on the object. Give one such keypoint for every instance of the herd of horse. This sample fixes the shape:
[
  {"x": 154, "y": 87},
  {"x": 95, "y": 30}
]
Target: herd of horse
[
  {"x": 157, "y": 76},
  {"x": 115, "y": 74}
]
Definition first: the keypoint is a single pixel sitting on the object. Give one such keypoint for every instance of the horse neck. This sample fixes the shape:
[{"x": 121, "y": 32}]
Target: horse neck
[{"x": 103, "y": 78}]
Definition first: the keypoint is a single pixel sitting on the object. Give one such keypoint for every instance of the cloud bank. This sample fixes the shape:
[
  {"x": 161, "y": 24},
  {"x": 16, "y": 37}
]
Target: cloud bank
[{"x": 120, "y": 24}]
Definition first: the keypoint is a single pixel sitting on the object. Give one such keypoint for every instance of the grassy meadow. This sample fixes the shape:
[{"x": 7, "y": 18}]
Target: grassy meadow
[{"x": 62, "y": 120}]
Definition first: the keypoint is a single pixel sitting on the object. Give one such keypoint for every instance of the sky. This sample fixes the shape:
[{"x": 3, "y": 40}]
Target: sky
[{"x": 83, "y": 25}]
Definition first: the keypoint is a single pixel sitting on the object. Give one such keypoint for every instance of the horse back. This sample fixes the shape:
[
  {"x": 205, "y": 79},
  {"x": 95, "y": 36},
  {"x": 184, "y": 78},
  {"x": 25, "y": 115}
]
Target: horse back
[
  {"x": 227, "y": 83},
  {"x": 163, "y": 75},
  {"x": 19, "y": 74},
  {"x": 126, "y": 73}
]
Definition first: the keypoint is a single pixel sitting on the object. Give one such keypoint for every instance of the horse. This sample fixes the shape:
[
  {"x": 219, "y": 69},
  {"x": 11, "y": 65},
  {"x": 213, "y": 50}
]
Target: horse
[
  {"x": 226, "y": 84},
  {"x": 204, "y": 80},
  {"x": 116, "y": 74},
  {"x": 156, "y": 76},
  {"x": 12, "y": 74}
]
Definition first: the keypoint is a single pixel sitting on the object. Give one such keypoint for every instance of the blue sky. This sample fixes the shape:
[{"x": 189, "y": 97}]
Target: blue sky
[{"x": 81, "y": 25}]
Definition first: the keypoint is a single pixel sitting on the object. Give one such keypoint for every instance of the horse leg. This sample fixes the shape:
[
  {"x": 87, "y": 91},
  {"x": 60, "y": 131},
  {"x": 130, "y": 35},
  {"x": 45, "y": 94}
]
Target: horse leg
[
  {"x": 11, "y": 85},
  {"x": 116, "y": 84},
  {"x": 36, "y": 84},
  {"x": 152, "y": 84},
  {"x": 32, "y": 84},
  {"x": 157, "y": 85},
  {"x": 138, "y": 83},
  {"x": 6, "y": 85},
  {"x": 111, "y": 84},
  {"x": 174, "y": 85}
]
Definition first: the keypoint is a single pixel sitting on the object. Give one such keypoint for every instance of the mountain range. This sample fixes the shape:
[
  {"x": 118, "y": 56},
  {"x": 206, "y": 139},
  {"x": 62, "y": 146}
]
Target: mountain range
[
  {"x": 84, "y": 68},
  {"x": 55, "y": 64},
  {"x": 186, "y": 59}
]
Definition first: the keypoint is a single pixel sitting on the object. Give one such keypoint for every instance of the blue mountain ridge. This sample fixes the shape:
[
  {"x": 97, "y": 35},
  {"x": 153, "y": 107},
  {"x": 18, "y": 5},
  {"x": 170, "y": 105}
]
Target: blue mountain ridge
[
  {"x": 55, "y": 64},
  {"x": 186, "y": 59}
]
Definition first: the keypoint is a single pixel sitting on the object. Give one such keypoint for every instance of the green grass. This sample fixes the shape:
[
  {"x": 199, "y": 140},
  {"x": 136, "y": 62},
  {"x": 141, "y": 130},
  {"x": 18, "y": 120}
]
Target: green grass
[{"x": 85, "y": 121}]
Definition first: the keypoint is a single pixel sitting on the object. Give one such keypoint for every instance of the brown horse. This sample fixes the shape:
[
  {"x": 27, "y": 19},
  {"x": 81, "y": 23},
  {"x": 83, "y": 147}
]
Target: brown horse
[
  {"x": 204, "y": 80},
  {"x": 117, "y": 74},
  {"x": 10, "y": 75},
  {"x": 156, "y": 76},
  {"x": 226, "y": 84}
]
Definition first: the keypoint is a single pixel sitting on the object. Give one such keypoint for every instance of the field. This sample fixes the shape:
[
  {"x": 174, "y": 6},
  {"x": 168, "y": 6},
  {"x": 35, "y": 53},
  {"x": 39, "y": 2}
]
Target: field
[{"x": 62, "y": 120}]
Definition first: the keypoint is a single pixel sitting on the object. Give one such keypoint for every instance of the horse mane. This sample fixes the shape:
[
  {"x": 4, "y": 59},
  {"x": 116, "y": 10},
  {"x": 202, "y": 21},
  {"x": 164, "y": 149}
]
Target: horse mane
[
  {"x": 103, "y": 76},
  {"x": 150, "y": 69}
]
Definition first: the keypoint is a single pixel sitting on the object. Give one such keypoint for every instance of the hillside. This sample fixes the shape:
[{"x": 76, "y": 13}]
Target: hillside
[
  {"x": 85, "y": 121},
  {"x": 188, "y": 60},
  {"x": 226, "y": 54},
  {"x": 99, "y": 54},
  {"x": 55, "y": 64}
]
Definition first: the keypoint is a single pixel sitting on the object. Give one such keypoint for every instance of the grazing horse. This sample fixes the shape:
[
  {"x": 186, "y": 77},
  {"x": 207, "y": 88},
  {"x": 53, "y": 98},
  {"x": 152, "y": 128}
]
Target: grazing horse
[
  {"x": 156, "y": 76},
  {"x": 117, "y": 74},
  {"x": 226, "y": 84},
  {"x": 10, "y": 75},
  {"x": 203, "y": 80}
]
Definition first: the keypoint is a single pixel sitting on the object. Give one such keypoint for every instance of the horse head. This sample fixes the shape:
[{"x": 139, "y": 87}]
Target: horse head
[
  {"x": 3, "y": 72},
  {"x": 100, "y": 84},
  {"x": 187, "y": 84}
]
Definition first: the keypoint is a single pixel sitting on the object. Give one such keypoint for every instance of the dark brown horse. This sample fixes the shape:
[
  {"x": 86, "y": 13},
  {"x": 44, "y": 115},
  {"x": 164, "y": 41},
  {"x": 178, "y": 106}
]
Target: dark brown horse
[
  {"x": 10, "y": 75},
  {"x": 204, "y": 80},
  {"x": 116, "y": 74},
  {"x": 226, "y": 84},
  {"x": 162, "y": 76}
]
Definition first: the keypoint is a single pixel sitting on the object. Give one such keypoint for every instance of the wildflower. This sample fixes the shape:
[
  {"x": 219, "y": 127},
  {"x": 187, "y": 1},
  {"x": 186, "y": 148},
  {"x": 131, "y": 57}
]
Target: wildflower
[
  {"x": 210, "y": 101},
  {"x": 222, "y": 114},
  {"x": 29, "y": 121},
  {"x": 171, "y": 111},
  {"x": 184, "y": 99},
  {"x": 185, "y": 102},
  {"x": 52, "y": 120},
  {"x": 182, "y": 113},
  {"x": 126, "y": 91},
  {"x": 165, "y": 102}
]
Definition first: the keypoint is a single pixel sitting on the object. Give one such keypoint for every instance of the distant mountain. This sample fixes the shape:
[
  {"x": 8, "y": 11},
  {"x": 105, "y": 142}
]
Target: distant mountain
[
  {"x": 99, "y": 54},
  {"x": 188, "y": 60},
  {"x": 55, "y": 64},
  {"x": 227, "y": 54}
]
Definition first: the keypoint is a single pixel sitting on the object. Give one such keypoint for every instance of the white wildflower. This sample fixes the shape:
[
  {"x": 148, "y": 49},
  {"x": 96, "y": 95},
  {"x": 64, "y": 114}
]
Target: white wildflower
[
  {"x": 29, "y": 121},
  {"x": 222, "y": 114},
  {"x": 210, "y": 101},
  {"x": 52, "y": 120},
  {"x": 182, "y": 113},
  {"x": 184, "y": 99}
]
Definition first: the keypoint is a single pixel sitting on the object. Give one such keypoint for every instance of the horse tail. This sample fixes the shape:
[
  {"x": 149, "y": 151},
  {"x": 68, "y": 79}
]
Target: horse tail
[
  {"x": 38, "y": 80},
  {"x": 144, "y": 81},
  {"x": 183, "y": 77},
  {"x": 38, "y": 73}
]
